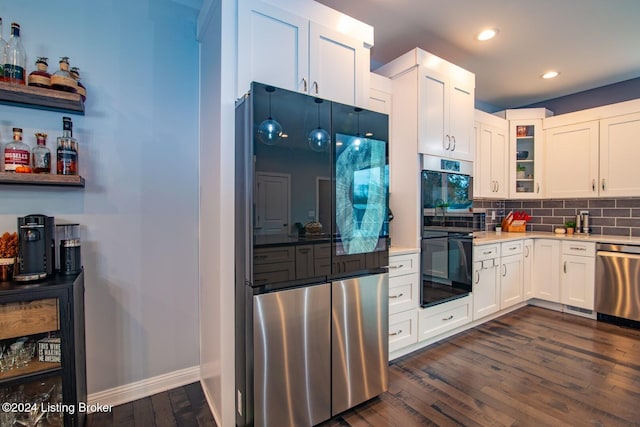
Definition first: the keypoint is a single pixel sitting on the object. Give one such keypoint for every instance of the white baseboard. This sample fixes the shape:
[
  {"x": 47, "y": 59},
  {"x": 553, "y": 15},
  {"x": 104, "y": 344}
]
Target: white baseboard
[
  {"x": 144, "y": 388},
  {"x": 210, "y": 403}
]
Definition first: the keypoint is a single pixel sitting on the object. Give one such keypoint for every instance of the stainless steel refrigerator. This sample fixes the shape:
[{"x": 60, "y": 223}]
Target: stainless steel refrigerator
[{"x": 311, "y": 274}]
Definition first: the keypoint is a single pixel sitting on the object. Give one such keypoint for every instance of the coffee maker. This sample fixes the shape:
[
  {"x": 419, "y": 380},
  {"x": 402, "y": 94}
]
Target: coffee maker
[{"x": 36, "y": 248}]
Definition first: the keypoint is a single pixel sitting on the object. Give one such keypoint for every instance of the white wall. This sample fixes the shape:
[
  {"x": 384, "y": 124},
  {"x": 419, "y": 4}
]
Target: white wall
[
  {"x": 139, "y": 155},
  {"x": 217, "y": 35}
]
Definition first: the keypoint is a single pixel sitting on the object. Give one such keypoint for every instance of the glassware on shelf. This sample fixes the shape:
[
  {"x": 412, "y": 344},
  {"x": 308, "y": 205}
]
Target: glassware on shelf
[
  {"x": 15, "y": 63},
  {"x": 41, "y": 155},
  {"x": 40, "y": 77},
  {"x": 82, "y": 91},
  {"x": 3, "y": 52},
  {"x": 67, "y": 151},
  {"x": 17, "y": 154},
  {"x": 62, "y": 79}
]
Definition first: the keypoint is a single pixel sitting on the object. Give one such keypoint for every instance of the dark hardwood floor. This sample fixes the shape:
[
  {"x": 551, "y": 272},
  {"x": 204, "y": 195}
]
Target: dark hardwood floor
[{"x": 532, "y": 367}]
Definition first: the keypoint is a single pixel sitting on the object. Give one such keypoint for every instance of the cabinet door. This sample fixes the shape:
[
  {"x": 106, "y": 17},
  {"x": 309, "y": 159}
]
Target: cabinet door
[
  {"x": 338, "y": 66},
  {"x": 273, "y": 47},
  {"x": 380, "y": 90},
  {"x": 486, "y": 288},
  {"x": 571, "y": 161},
  {"x": 546, "y": 270},
  {"x": 577, "y": 282},
  {"x": 492, "y": 158},
  {"x": 461, "y": 114},
  {"x": 433, "y": 119},
  {"x": 525, "y": 159},
  {"x": 527, "y": 269},
  {"x": 619, "y": 153},
  {"x": 510, "y": 280},
  {"x": 304, "y": 261}
]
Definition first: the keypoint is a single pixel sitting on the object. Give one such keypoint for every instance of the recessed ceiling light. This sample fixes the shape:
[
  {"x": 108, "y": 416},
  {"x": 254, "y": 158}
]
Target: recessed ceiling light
[
  {"x": 487, "y": 34},
  {"x": 550, "y": 74}
]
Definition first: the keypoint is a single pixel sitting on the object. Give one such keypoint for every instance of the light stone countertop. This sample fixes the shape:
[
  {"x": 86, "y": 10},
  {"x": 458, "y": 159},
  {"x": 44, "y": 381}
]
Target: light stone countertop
[
  {"x": 399, "y": 250},
  {"x": 486, "y": 237}
]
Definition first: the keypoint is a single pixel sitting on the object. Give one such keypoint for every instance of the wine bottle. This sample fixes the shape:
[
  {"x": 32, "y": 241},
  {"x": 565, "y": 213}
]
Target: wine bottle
[{"x": 15, "y": 62}]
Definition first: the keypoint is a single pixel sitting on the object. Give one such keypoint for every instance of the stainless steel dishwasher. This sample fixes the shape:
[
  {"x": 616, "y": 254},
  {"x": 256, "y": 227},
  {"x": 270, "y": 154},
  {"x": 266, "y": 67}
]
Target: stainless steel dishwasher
[{"x": 618, "y": 281}]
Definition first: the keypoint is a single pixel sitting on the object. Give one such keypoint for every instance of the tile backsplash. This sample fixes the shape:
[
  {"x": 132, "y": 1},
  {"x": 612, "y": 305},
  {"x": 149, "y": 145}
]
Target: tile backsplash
[{"x": 618, "y": 217}]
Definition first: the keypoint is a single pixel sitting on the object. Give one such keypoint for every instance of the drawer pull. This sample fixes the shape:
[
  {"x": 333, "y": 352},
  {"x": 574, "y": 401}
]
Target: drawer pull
[
  {"x": 577, "y": 248},
  {"x": 565, "y": 267},
  {"x": 396, "y": 296},
  {"x": 487, "y": 253},
  {"x": 396, "y": 266},
  {"x": 393, "y": 334},
  {"x": 447, "y": 318},
  {"x": 261, "y": 256},
  {"x": 513, "y": 248}
]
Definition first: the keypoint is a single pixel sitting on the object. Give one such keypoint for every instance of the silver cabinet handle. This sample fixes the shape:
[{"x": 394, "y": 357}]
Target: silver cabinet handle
[
  {"x": 486, "y": 253},
  {"x": 396, "y": 266},
  {"x": 304, "y": 84},
  {"x": 577, "y": 248},
  {"x": 513, "y": 248},
  {"x": 393, "y": 334},
  {"x": 446, "y": 147},
  {"x": 395, "y": 296},
  {"x": 497, "y": 186},
  {"x": 527, "y": 251},
  {"x": 444, "y": 319},
  {"x": 593, "y": 185},
  {"x": 477, "y": 277},
  {"x": 603, "y": 184},
  {"x": 454, "y": 143},
  {"x": 504, "y": 266},
  {"x": 315, "y": 83},
  {"x": 565, "y": 267},
  {"x": 538, "y": 187}
]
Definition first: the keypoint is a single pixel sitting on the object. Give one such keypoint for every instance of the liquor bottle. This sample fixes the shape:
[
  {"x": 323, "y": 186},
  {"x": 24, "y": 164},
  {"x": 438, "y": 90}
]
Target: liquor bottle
[
  {"x": 16, "y": 153},
  {"x": 15, "y": 63},
  {"x": 67, "y": 151},
  {"x": 40, "y": 77},
  {"x": 3, "y": 52},
  {"x": 82, "y": 91},
  {"x": 61, "y": 79},
  {"x": 41, "y": 155}
]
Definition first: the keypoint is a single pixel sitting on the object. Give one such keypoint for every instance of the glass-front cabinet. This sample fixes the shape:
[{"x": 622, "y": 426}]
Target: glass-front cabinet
[{"x": 525, "y": 156}]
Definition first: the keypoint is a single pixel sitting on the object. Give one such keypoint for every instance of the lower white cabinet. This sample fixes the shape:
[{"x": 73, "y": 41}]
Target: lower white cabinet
[
  {"x": 404, "y": 292},
  {"x": 577, "y": 280},
  {"x": 403, "y": 329},
  {"x": 486, "y": 281},
  {"x": 527, "y": 268},
  {"x": 404, "y": 299},
  {"x": 444, "y": 317},
  {"x": 546, "y": 270},
  {"x": 511, "y": 268}
]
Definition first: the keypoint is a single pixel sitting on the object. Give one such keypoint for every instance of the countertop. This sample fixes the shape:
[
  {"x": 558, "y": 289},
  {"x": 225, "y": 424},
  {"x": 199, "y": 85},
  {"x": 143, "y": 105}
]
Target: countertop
[
  {"x": 485, "y": 237},
  {"x": 400, "y": 250}
]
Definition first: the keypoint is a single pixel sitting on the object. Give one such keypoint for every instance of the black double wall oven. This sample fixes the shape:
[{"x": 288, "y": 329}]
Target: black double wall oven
[{"x": 447, "y": 233}]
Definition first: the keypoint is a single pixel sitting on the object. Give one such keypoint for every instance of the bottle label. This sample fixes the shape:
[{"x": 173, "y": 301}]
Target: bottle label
[
  {"x": 67, "y": 162},
  {"x": 37, "y": 80},
  {"x": 14, "y": 158},
  {"x": 57, "y": 80},
  {"x": 13, "y": 73}
]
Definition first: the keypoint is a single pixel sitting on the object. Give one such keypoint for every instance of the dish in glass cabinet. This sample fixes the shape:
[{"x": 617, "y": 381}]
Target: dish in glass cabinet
[{"x": 522, "y": 155}]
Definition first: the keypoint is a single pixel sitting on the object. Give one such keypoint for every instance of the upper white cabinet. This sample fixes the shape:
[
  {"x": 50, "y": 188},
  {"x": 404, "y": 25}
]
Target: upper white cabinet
[
  {"x": 444, "y": 109},
  {"x": 619, "y": 153},
  {"x": 491, "y": 165},
  {"x": 303, "y": 54},
  {"x": 380, "y": 94}
]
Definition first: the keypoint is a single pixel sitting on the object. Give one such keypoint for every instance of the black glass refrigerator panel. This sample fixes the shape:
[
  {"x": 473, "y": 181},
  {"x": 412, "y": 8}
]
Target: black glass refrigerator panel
[{"x": 360, "y": 196}]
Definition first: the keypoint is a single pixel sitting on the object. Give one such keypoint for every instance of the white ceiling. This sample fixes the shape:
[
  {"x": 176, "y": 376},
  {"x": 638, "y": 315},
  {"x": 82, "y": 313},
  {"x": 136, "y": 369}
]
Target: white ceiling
[{"x": 591, "y": 43}]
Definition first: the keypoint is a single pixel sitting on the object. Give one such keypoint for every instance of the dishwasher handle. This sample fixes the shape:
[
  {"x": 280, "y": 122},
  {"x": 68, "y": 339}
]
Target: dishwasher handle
[{"x": 610, "y": 247}]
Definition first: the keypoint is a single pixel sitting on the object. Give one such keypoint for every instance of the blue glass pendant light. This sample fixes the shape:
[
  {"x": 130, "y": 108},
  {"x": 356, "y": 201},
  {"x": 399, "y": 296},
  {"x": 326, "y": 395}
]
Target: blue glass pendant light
[
  {"x": 269, "y": 131},
  {"x": 319, "y": 138}
]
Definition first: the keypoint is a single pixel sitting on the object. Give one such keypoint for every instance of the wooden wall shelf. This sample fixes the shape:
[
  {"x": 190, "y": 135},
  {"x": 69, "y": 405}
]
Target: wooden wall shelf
[
  {"x": 36, "y": 97},
  {"x": 12, "y": 178}
]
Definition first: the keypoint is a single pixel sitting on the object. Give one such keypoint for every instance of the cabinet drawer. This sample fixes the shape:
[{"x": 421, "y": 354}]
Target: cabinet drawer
[
  {"x": 579, "y": 248},
  {"x": 483, "y": 252},
  {"x": 403, "y": 329},
  {"x": 269, "y": 255},
  {"x": 403, "y": 264},
  {"x": 444, "y": 317},
  {"x": 511, "y": 248},
  {"x": 274, "y": 273},
  {"x": 19, "y": 319},
  {"x": 404, "y": 292}
]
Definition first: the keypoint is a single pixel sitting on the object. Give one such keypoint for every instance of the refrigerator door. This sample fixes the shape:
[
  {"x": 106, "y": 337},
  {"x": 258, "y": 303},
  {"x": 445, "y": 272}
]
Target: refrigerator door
[
  {"x": 360, "y": 355},
  {"x": 292, "y": 357}
]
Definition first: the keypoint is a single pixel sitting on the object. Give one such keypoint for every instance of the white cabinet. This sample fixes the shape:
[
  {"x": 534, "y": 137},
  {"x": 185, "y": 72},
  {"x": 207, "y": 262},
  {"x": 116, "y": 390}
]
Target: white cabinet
[
  {"x": 619, "y": 153},
  {"x": 444, "y": 317},
  {"x": 380, "y": 94},
  {"x": 446, "y": 110},
  {"x": 527, "y": 268},
  {"x": 511, "y": 273},
  {"x": 546, "y": 270},
  {"x": 404, "y": 299},
  {"x": 491, "y": 165},
  {"x": 577, "y": 281},
  {"x": 293, "y": 52},
  {"x": 486, "y": 282},
  {"x": 525, "y": 158},
  {"x": 571, "y": 160}
]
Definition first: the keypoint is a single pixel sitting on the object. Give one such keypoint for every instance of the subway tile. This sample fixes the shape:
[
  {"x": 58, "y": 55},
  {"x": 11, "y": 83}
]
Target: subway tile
[
  {"x": 622, "y": 212},
  {"x": 609, "y": 222},
  {"x": 576, "y": 203},
  {"x": 553, "y": 220},
  {"x": 541, "y": 227},
  {"x": 616, "y": 231},
  {"x": 602, "y": 203},
  {"x": 541, "y": 212},
  {"x": 628, "y": 203},
  {"x": 635, "y": 213},
  {"x": 564, "y": 212},
  {"x": 596, "y": 230},
  {"x": 593, "y": 212},
  {"x": 628, "y": 222},
  {"x": 513, "y": 204},
  {"x": 535, "y": 220},
  {"x": 532, "y": 204},
  {"x": 552, "y": 203},
  {"x": 635, "y": 232}
]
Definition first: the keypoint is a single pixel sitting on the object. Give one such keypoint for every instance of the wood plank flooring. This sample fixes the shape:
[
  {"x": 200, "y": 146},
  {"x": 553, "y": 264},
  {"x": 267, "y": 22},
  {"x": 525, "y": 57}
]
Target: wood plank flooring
[{"x": 532, "y": 367}]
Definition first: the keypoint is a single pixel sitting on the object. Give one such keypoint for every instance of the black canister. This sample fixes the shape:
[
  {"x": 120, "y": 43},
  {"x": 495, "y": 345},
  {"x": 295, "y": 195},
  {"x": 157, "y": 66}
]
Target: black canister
[{"x": 69, "y": 252}]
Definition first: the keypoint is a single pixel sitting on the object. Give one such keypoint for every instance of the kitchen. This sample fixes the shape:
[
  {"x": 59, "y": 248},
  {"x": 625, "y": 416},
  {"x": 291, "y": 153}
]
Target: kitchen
[{"x": 137, "y": 291}]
